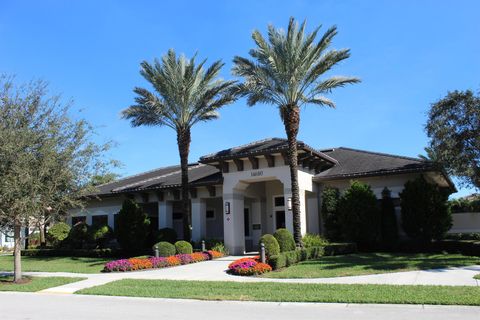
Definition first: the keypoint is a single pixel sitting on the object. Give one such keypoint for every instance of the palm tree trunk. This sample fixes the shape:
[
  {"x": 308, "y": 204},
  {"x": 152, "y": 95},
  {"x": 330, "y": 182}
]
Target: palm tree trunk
[
  {"x": 291, "y": 120},
  {"x": 17, "y": 249},
  {"x": 183, "y": 140}
]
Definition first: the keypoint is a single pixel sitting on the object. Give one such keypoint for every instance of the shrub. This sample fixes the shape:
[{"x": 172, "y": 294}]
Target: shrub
[
  {"x": 132, "y": 228},
  {"x": 183, "y": 247},
  {"x": 285, "y": 240},
  {"x": 165, "y": 249},
  {"x": 313, "y": 240},
  {"x": 335, "y": 249},
  {"x": 272, "y": 247},
  {"x": 167, "y": 234},
  {"x": 100, "y": 235},
  {"x": 78, "y": 236},
  {"x": 89, "y": 253},
  {"x": 330, "y": 198},
  {"x": 389, "y": 229},
  {"x": 286, "y": 259},
  {"x": 220, "y": 247},
  {"x": 359, "y": 214},
  {"x": 57, "y": 233},
  {"x": 425, "y": 212}
]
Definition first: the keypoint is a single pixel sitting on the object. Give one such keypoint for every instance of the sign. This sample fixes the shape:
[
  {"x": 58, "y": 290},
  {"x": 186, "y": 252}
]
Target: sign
[{"x": 256, "y": 173}]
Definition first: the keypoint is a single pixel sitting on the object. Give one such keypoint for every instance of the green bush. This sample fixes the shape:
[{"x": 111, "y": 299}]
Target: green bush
[
  {"x": 183, "y": 247},
  {"x": 286, "y": 259},
  {"x": 132, "y": 227},
  {"x": 463, "y": 236},
  {"x": 271, "y": 245},
  {"x": 313, "y": 240},
  {"x": 278, "y": 261},
  {"x": 220, "y": 247},
  {"x": 335, "y": 249},
  {"x": 165, "y": 249},
  {"x": 285, "y": 240},
  {"x": 425, "y": 211},
  {"x": 57, "y": 233},
  {"x": 89, "y": 253},
  {"x": 167, "y": 234},
  {"x": 389, "y": 228},
  {"x": 330, "y": 198},
  {"x": 359, "y": 214},
  {"x": 78, "y": 237},
  {"x": 101, "y": 235}
]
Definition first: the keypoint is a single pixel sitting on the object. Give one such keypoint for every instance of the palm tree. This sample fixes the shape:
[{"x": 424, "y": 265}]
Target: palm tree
[
  {"x": 186, "y": 94},
  {"x": 286, "y": 71}
]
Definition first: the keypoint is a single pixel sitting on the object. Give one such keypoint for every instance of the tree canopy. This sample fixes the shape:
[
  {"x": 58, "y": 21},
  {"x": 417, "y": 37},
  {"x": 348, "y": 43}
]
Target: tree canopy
[{"x": 454, "y": 130}]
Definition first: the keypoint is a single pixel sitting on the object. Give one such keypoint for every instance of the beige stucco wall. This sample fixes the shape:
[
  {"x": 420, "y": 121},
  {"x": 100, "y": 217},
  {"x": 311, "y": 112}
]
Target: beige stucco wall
[{"x": 466, "y": 222}]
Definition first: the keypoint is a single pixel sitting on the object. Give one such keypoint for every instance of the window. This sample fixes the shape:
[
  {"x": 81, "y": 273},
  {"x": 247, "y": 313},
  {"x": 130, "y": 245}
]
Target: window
[
  {"x": 210, "y": 214},
  {"x": 78, "y": 219},
  {"x": 279, "y": 201},
  {"x": 100, "y": 220}
]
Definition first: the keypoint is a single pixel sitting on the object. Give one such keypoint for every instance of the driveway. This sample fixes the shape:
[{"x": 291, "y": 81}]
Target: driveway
[
  {"x": 214, "y": 270},
  {"x": 16, "y": 306}
]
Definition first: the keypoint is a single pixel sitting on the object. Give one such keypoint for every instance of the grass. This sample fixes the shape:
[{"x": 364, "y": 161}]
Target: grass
[
  {"x": 289, "y": 292},
  {"x": 56, "y": 264},
  {"x": 33, "y": 284},
  {"x": 371, "y": 263}
]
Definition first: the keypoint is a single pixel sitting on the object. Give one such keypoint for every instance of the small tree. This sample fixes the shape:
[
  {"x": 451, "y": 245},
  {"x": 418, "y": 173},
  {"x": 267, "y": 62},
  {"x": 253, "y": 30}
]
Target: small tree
[
  {"x": 359, "y": 215},
  {"x": 330, "y": 198},
  {"x": 132, "y": 228},
  {"x": 425, "y": 210},
  {"x": 389, "y": 220},
  {"x": 57, "y": 233}
]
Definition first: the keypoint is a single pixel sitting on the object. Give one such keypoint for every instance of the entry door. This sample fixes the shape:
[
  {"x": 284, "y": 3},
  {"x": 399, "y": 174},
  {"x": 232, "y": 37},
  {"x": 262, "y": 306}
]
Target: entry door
[{"x": 280, "y": 219}]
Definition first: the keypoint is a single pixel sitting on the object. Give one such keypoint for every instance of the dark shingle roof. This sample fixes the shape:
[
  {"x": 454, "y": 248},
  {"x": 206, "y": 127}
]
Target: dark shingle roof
[
  {"x": 168, "y": 177},
  {"x": 356, "y": 163},
  {"x": 261, "y": 147}
]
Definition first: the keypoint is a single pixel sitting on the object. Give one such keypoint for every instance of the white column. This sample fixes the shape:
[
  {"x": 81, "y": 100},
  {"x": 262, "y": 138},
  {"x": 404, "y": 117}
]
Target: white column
[
  {"x": 165, "y": 214},
  {"x": 289, "y": 213},
  {"x": 199, "y": 219},
  {"x": 256, "y": 219},
  {"x": 287, "y": 193},
  {"x": 303, "y": 212},
  {"x": 233, "y": 230}
]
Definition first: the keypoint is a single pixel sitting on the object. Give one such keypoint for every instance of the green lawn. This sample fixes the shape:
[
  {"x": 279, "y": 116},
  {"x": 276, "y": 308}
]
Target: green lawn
[
  {"x": 370, "y": 263},
  {"x": 56, "y": 264},
  {"x": 34, "y": 284},
  {"x": 289, "y": 292}
]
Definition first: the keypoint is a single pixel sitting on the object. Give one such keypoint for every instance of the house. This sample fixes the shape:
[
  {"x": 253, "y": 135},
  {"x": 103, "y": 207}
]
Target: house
[{"x": 240, "y": 193}]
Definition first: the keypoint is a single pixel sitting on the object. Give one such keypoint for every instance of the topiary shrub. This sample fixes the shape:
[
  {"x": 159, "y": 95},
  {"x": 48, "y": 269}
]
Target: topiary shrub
[
  {"x": 101, "y": 235},
  {"x": 165, "y": 249},
  {"x": 132, "y": 227},
  {"x": 285, "y": 240},
  {"x": 313, "y": 240},
  {"x": 183, "y": 247},
  {"x": 330, "y": 198},
  {"x": 271, "y": 245},
  {"x": 359, "y": 214},
  {"x": 57, "y": 233},
  {"x": 78, "y": 237},
  {"x": 389, "y": 229},
  {"x": 425, "y": 212}
]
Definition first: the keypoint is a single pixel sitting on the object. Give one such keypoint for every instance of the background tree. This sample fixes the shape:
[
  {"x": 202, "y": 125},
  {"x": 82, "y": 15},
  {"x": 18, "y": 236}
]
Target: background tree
[
  {"x": 46, "y": 158},
  {"x": 186, "y": 94},
  {"x": 389, "y": 227},
  {"x": 132, "y": 227},
  {"x": 106, "y": 177},
  {"x": 286, "y": 71},
  {"x": 330, "y": 198},
  {"x": 425, "y": 211},
  {"x": 454, "y": 129},
  {"x": 359, "y": 215}
]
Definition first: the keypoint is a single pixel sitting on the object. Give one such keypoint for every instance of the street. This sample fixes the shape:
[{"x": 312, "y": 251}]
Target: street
[{"x": 34, "y": 306}]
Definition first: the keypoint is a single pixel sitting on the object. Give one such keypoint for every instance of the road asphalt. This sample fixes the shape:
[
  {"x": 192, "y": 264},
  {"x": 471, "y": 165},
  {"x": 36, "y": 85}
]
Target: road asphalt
[{"x": 35, "y": 306}]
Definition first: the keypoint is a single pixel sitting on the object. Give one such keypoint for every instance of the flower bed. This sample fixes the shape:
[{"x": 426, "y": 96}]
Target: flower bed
[
  {"x": 248, "y": 267},
  {"x": 134, "y": 264}
]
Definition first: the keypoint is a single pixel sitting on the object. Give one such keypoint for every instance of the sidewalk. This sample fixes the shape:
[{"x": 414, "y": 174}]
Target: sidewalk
[{"x": 214, "y": 270}]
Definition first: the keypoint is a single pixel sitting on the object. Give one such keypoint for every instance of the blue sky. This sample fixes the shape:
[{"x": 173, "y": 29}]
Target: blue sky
[{"x": 407, "y": 53}]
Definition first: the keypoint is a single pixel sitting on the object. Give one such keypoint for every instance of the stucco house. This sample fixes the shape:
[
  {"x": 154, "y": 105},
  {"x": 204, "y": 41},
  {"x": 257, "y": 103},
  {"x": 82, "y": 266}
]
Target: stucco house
[{"x": 240, "y": 193}]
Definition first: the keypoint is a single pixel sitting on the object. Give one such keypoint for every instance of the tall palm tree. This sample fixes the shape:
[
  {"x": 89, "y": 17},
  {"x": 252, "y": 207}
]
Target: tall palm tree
[
  {"x": 185, "y": 94},
  {"x": 286, "y": 71}
]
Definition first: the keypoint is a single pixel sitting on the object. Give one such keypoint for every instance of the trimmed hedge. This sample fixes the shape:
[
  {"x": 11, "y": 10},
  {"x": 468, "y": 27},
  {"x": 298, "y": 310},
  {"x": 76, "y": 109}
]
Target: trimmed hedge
[
  {"x": 335, "y": 249},
  {"x": 165, "y": 249},
  {"x": 183, "y": 247},
  {"x": 288, "y": 258},
  {"x": 272, "y": 247},
  {"x": 465, "y": 247},
  {"x": 90, "y": 253},
  {"x": 285, "y": 240}
]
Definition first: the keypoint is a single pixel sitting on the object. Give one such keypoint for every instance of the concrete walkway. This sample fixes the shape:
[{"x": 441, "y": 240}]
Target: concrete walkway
[{"x": 214, "y": 270}]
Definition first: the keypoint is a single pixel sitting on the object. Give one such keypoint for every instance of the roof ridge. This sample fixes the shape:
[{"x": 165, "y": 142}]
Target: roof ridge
[{"x": 383, "y": 154}]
